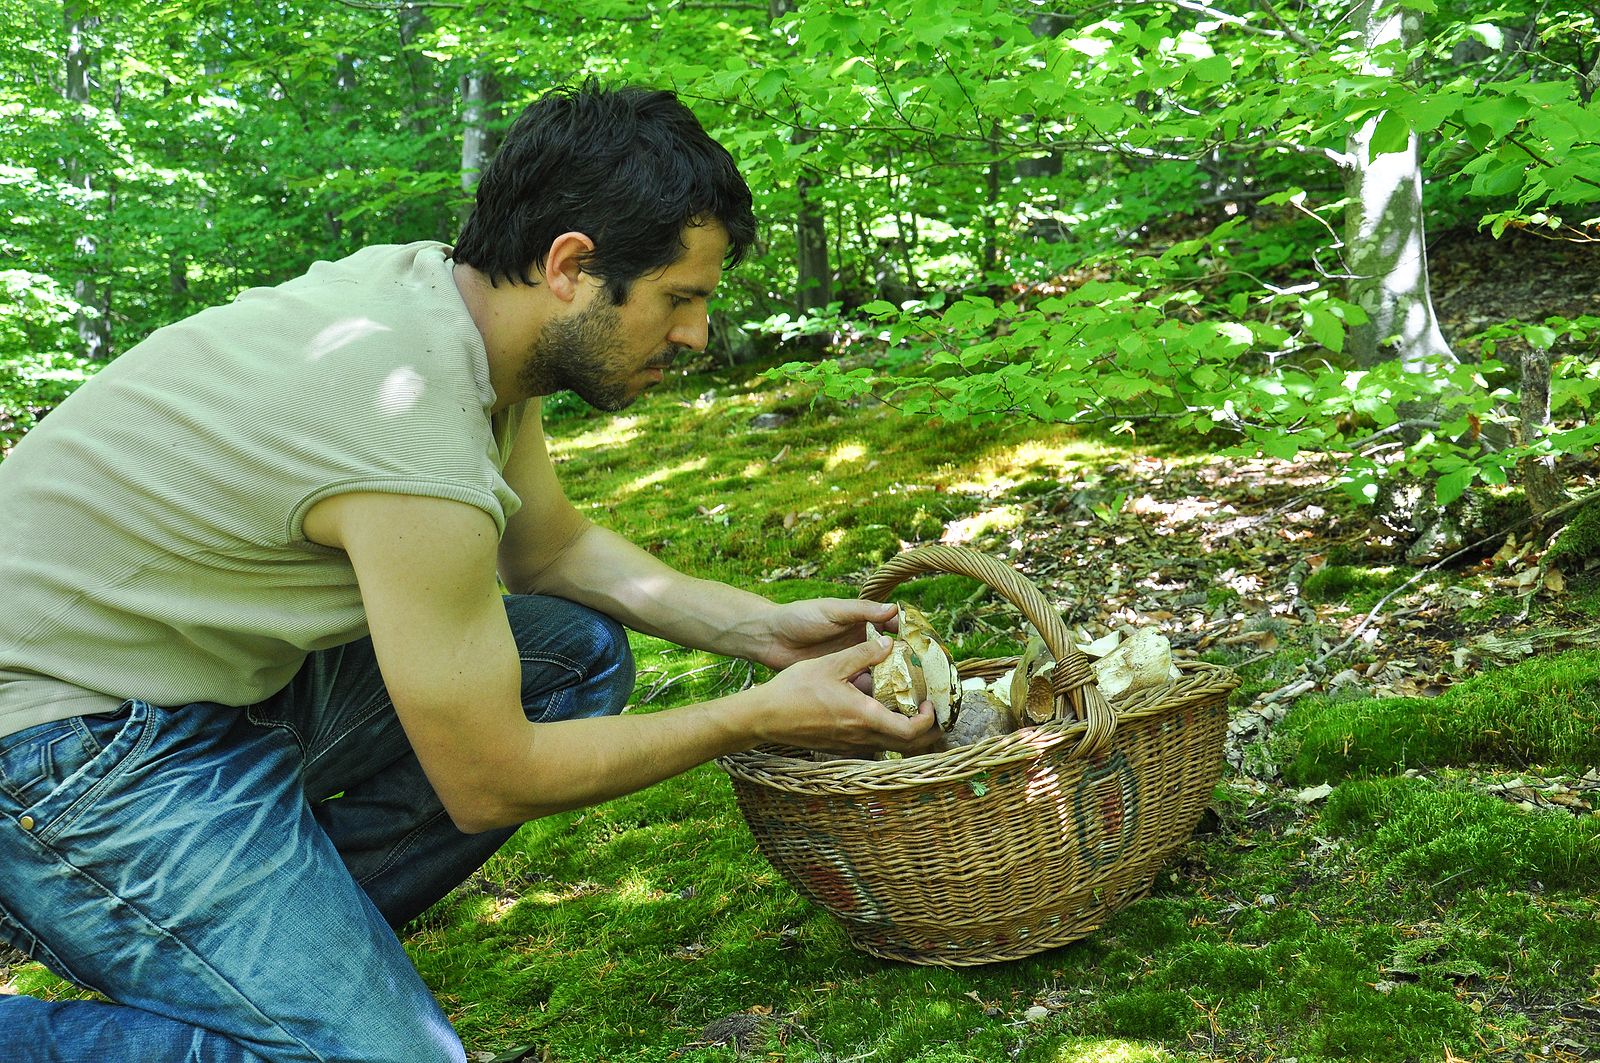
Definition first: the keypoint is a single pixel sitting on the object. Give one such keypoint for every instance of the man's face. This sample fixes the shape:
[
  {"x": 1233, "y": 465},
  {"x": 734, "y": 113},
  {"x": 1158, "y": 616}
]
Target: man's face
[{"x": 609, "y": 354}]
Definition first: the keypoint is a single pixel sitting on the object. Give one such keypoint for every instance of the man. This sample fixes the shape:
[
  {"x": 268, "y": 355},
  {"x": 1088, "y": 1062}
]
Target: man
[{"x": 261, "y": 699}]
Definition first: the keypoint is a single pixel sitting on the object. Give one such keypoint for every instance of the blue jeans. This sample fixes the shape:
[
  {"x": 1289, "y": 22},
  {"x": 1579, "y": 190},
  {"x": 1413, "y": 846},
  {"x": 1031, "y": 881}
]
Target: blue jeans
[{"x": 231, "y": 878}]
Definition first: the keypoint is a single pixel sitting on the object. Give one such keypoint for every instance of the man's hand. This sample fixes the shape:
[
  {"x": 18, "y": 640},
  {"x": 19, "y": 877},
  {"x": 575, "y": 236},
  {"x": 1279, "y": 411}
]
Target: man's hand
[
  {"x": 817, "y": 704},
  {"x": 801, "y": 631}
]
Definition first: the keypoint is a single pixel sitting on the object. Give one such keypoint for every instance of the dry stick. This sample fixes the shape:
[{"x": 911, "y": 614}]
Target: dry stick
[{"x": 1327, "y": 655}]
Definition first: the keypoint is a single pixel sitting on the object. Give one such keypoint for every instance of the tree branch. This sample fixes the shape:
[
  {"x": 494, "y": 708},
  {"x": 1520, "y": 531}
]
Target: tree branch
[
  {"x": 1231, "y": 20},
  {"x": 1288, "y": 31},
  {"x": 388, "y": 6}
]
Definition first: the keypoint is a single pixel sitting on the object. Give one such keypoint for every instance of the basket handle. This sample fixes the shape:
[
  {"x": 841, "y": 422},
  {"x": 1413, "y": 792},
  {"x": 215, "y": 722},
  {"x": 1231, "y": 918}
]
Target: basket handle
[{"x": 1072, "y": 680}]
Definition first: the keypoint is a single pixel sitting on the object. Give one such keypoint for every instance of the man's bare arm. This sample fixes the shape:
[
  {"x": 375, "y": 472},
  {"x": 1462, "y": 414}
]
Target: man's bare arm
[{"x": 448, "y": 659}]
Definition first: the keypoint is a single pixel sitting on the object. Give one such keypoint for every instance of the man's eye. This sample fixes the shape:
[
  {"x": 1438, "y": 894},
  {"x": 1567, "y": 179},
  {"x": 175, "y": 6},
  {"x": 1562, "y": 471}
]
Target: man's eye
[{"x": 678, "y": 300}]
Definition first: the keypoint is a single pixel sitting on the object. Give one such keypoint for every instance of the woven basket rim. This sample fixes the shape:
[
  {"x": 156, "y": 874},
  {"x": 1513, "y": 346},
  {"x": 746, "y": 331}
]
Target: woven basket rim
[{"x": 1201, "y": 683}]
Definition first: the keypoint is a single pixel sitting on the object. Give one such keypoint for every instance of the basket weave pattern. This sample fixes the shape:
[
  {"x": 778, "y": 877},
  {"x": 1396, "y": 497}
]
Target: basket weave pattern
[{"x": 1008, "y": 847}]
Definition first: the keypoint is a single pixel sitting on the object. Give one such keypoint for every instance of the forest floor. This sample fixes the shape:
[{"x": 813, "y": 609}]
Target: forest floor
[{"x": 1400, "y": 863}]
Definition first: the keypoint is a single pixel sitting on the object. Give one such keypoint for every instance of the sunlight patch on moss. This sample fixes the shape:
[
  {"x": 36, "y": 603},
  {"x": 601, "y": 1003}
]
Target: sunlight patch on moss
[
  {"x": 1113, "y": 1051},
  {"x": 660, "y": 475},
  {"x": 844, "y": 454},
  {"x": 616, "y": 432},
  {"x": 636, "y": 889},
  {"x": 1006, "y": 468},
  {"x": 998, "y": 519}
]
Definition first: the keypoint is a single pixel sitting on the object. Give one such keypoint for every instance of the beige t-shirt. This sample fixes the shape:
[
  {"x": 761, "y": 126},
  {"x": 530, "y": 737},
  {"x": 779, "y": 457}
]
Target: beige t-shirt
[{"x": 150, "y": 527}]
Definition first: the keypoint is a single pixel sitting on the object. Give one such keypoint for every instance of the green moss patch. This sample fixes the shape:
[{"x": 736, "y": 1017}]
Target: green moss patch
[
  {"x": 1418, "y": 833},
  {"x": 1359, "y": 588},
  {"x": 1543, "y": 712}
]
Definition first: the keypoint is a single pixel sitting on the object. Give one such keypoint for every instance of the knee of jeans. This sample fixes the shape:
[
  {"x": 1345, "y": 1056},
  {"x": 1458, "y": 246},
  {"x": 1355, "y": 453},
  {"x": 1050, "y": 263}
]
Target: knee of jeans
[
  {"x": 611, "y": 674},
  {"x": 589, "y": 668},
  {"x": 429, "y": 1040}
]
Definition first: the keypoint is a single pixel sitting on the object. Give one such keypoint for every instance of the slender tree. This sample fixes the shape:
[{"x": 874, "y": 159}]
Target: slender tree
[
  {"x": 1385, "y": 242},
  {"x": 90, "y": 289}
]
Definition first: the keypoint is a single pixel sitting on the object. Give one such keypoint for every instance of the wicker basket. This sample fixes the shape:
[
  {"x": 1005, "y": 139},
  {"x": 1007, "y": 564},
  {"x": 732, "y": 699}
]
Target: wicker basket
[{"x": 1008, "y": 847}]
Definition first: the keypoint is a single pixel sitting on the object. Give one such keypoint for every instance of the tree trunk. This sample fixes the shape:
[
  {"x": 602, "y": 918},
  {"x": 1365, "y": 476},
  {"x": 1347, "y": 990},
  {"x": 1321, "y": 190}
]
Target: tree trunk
[
  {"x": 428, "y": 99},
  {"x": 92, "y": 319},
  {"x": 814, "y": 277},
  {"x": 1385, "y": 243},
  {"x": 814, "y": 287},
  {"x": 344, "y": 81},
  {"x": 480, "y": 109},
  {"x": 1538, "y": 472},
  {"x": 1045, "y": 25}
]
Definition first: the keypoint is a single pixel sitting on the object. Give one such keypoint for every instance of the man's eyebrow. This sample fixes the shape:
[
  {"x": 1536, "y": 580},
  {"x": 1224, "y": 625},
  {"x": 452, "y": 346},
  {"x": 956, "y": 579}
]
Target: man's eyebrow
[{"x": 689, "y": 289}]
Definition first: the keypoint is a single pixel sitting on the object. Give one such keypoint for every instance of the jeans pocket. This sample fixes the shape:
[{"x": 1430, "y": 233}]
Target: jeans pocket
[
  {"x": 53, "y": 768},
  {"x": 35, "y": 761}
]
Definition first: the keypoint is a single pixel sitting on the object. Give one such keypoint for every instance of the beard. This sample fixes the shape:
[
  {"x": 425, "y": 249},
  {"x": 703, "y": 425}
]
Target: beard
[{"x": 584, "y": 354}]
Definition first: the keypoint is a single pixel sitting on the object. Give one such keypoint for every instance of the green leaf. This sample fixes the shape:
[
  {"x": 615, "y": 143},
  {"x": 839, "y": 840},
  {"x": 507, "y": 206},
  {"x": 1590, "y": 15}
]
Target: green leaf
[
  {"x": 1212, "y": 71},
  {"x": 1393, "y": 134},
  {"x": 1325, "y": 328},
  {"x": 1541, "y": 336},
  {"x": 771, "y": 83},
  {"x": 1490, "y": 34},
  {"x": 1452, "y": 485},
  {"x": 1497, "y": 114}
]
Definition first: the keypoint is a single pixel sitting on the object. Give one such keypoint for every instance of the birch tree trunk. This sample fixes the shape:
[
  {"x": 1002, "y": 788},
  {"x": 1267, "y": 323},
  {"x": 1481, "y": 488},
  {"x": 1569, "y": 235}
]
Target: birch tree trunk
[
  {"x": 480, "y": 107},
  {"x": 1386, "y": 246}
]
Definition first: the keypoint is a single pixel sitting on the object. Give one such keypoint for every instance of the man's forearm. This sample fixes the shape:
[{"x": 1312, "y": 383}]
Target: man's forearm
[
  {"x": 583, "y": 762},
  {"x": 609, "y": 574}
]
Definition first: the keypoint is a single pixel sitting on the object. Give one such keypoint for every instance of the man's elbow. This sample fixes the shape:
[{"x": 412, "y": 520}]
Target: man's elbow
[
  {"x": 483, "y": 811},
  {"x": 481, "y": 815}
]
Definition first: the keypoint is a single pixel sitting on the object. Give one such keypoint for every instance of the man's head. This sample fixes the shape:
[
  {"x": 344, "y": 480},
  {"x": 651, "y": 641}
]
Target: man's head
[
  {"x": 608, "y": 353},
  {"x": 629, "y": 167}
]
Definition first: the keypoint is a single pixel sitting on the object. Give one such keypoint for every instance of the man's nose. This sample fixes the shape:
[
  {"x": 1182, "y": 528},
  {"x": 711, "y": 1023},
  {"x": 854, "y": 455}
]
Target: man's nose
[{"x": 692, "y": 333}]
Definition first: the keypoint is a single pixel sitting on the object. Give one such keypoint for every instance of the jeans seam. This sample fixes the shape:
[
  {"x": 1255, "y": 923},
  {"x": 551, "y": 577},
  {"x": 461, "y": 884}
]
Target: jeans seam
[
  {"x": 282, "y": 725},
  {"x": 166, "y": 934},
  {"x": 373, "y": 707},
  {"x": 403, "y": 847},
  {"x": 576, "y": 667},
  {"x": 31, "y": 946}
]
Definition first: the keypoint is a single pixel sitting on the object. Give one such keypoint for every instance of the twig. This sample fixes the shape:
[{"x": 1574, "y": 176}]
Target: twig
[
  {"x": 1222, "y": 16},
  {"x": 1293, "y": 34},
  {"x": 667, "y": 684}
]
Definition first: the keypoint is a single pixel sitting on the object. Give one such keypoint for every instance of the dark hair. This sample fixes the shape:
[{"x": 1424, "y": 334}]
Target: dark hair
[{"x": 628, "y": 167}]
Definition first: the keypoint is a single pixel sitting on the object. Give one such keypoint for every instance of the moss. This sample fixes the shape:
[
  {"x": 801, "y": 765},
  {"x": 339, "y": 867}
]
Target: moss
[
  {"x": 939, "y": 594},
  {"x": 1404, "y": 1023},
  {"x": 1505, "y": 507},
  {"x": 1540, "y": 712},
  {"x": 860, "y": 548},
  {"x": 1035, "y": 488},
  {"x": 1579, "y": 540},
  {"x": 1357, "y": 587},
  {"x": 1151, "y": 1014},
  {"x": 1417, "y": 832},
  {"x": 797, "y": 590}
]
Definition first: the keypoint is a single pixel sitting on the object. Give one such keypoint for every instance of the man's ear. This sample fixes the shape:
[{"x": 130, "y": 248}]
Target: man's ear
[{"x": 563, "y": 265}]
